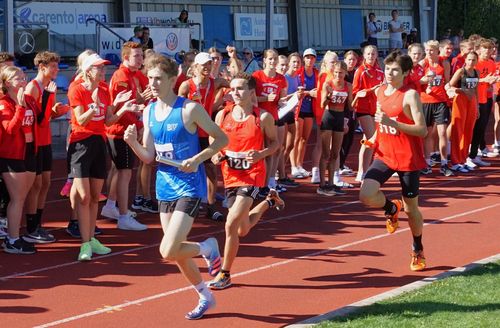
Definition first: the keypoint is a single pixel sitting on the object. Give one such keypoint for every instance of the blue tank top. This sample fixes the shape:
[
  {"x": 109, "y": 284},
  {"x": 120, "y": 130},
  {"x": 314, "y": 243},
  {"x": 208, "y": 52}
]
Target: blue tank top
[
  {"x": 306, "y": 106},
  {"x": 173, "y": 141}
]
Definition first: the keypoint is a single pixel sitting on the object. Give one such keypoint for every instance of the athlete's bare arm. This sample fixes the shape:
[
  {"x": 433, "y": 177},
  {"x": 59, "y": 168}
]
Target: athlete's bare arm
[
  {"x": 270, "y": 137},
  {"x": 447, "y": 69},
  {"x": 349, "y": 96},
  {"x": 195, "y": 116},
  {"x": 325, "y": 94},
  {"x": 184, "y": 89}
]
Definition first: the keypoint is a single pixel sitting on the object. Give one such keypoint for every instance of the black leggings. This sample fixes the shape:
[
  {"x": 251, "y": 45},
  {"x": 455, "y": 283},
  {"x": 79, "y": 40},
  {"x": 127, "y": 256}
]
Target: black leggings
[
  {"x": 348, "y": 139},
  {"x": 480, "y": 127}
]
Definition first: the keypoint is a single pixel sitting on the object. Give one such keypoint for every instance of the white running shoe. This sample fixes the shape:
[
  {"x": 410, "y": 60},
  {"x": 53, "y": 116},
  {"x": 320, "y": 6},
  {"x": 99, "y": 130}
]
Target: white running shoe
[
  {"x": 347, "y": 171},
  {"x": 479, "y": 162},
  {"x": 470, "y": 163},
  {"x": 296, "y": 173},
  {"x": 315, "y": 175},
  {"x": 111, "y": 212},
  {"x": 488, "y": 153},
  {"x": 129, "y": 223},
  {"x": 304, "y": 172}
]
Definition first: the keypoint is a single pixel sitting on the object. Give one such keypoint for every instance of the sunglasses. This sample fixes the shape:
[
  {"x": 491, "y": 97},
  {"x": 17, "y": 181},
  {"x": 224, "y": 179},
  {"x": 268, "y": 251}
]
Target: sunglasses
[
  {"x": 247, "y": 53},
  {"x": 215, "y": 58}
]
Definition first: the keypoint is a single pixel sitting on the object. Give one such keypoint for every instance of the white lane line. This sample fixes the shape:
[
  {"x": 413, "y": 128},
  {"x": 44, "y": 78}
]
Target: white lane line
[
  {"x": 351, "y": 308},
  {"x": 261, "y": 268},
  {"x": 58, "y": 266}
]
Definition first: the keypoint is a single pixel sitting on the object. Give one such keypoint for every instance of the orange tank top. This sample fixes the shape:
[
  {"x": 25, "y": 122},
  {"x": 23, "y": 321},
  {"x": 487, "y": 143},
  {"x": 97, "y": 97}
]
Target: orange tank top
[
  {"x": 204, "y": 96},
  {"x": 243, "y": 137},
  {"x": 437, "y": 93}
]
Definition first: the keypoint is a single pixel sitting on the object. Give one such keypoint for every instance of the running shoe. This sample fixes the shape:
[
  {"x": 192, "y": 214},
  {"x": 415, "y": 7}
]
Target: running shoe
[
  {"x": 496, "y": 149},
  {"x": 214, "y": 261},
  {"x": 66, "y": 189},
  {"x": 315, "y": 175},
  {"x": 468, "y": 168},
  {"x": 279, "y": 203},
  {"x": 98, "y": 248},
  {"x": 287, "y": 182},
  {"x": 263, "y": 192},
  {"x": 279, "y": 188},
  {"x": 149, "y": 206},
  {"x": 345, "y": 170},
  {"x": 417, "y": 261},
  {"x": 426, "y": 171},
  {"x": 336, "y": 190},
  {"x": 296, "y": 174},
  {"x": 471, "y": 164},
  {"x": 73, "y": 229},
  {"x": 343, "y": 184},
  {"x": 202, "y": 307},
  {"x": 392, "y": 222},
  {"x": 85, "y": 252},
  {"x": 303, "y": 171},
  {"x": 445, "y": 170},
  {"x": 215, "y": 215},
  {"x": 488, "y": 153},
  {"x": 20, "y": 246},
  {"x": 39, "y": 236},
  {"x": 325, "y": 191},
  {"x": 130, "y": 223},
  {"x": 479, "y": 162},
  {"x": 102, "y": 197},
  {"x": 137, "y": 203},
  {"x": 435, "y": 159},
  {"x": 222, "y": 281},
  {"x": 459, "y": 168},
  {"x": 111, "y": 212}
]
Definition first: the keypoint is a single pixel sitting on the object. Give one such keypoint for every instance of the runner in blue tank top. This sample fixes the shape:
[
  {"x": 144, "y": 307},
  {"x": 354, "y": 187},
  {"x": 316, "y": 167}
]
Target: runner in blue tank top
[{"x": 170, "y": 130}]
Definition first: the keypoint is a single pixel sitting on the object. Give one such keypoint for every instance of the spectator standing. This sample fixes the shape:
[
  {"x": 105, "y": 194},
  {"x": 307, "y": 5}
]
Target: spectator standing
[
  {"x": 147, "y": 42},
  {"x": 395, "y": 30},
  {"x": 372, "y": 29},
  {"x": 137, "y": 38}
]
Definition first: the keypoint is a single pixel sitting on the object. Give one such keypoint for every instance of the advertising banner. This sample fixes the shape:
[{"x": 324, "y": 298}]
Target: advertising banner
[
  {"x": 383, "y": 22},
  {"x": 149, "y": 18},
  {"x": 168, "y": 41},
  {"x": 253, "y": 27},
  {"x": 64, "y": 17}
]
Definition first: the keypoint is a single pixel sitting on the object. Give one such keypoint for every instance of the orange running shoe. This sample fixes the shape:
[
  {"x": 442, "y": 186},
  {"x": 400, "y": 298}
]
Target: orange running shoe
[
  {"x": 417, "y": 261},
  {"x": 279, "y": 203},
  {"x": 392, "y": 222}
]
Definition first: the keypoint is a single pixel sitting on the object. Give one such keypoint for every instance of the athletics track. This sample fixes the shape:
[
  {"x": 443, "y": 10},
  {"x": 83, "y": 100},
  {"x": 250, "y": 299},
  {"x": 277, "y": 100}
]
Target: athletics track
[{"x": 319, "y": 254}]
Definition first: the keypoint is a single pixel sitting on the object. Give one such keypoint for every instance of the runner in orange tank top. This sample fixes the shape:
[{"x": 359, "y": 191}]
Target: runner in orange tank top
[
  {"x": 398, "y": 144},
  {"x": 252, "y": 137}
]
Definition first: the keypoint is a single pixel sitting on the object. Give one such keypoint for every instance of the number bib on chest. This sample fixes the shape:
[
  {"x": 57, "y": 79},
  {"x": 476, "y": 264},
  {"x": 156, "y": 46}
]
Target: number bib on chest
[
  {"x": 386, "y": 129},
  {"x": 165, "y": 150},
  {"x": 237, "y": 160}
]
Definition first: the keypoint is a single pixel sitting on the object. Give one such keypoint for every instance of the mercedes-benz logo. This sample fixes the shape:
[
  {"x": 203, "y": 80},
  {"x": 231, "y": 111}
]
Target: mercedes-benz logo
[{"x": 26, "y": 43}]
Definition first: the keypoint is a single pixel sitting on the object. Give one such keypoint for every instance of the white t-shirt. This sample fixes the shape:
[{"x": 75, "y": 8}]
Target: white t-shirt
[
  {"x": 396, "y": 36},
  {"x": 372, "y": 27}
]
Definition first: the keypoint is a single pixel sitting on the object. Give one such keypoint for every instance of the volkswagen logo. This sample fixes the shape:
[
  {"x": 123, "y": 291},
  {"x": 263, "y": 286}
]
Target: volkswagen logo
[
  {"x": 26, "y": 43},
  {"x": 172, "y": 41}
]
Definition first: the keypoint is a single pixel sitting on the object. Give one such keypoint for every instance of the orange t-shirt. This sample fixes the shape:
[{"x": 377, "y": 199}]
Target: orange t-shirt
[
  {"x": 79, "y": 96},
  {"x": 485, "y": 90},
  {"x": 365, "y": 77}
]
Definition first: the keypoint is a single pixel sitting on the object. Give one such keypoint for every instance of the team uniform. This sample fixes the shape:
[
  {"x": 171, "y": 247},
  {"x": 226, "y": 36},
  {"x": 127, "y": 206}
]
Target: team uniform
[
  {"x": 366, "y": 77},
  {"x": 240, "y": 177},
  {"x": 205, "y": 96},
  {"x": 412, "y": 80},
  {"x": 397, "y": 151},
  {"x": 457, "y": 63},
  {"x": 266, "y": 86},
  {"x": 176, "y": 190},
  {"x": 333, "y": 116},
  {"x": 435, "y": 102},
  {"x": 463, "y": 118},
  {"x": 307, "y": 104},
  {"x": 123, "y": 79},
  {"x": 87, "y": 145}
]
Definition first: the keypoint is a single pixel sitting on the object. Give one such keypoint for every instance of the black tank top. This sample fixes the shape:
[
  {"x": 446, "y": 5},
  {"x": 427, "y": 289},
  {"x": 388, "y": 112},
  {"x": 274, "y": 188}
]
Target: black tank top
[{"x": 469, "y": 82}]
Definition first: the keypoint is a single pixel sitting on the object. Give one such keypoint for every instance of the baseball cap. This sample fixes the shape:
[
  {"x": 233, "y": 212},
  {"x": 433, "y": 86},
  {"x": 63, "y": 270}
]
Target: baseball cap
[
  {"x": 309, "y": 51},
  {"x": 93, "y": 60},
  {"x": 202, "y": 58},
  {"x": 414, "y": 30}
]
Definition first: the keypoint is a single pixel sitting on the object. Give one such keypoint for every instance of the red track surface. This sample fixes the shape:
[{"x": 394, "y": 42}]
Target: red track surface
[{"x": 318, "y": 254}]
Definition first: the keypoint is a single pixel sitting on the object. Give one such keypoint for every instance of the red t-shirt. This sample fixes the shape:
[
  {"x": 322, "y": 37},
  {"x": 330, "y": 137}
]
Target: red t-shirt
[
  {"x": 12, "y": 143},
  {"x": 485, "y": 90},
  {"x": 204, "y": 96},
  {"x": 180, "y": 78},
  {"x": 438, "y": 92},
  {"x": 243, "y": 137},
  {"x": 366, "y": 77},
  {"x": 457, "y": 63},
  {"x": 124, "y": 79},
  {"x": 398, "y": 150},
  {"x": 267, "y": 85},
  {"x": 412, "y": 80},
  {"x": 78, "y": 95}
]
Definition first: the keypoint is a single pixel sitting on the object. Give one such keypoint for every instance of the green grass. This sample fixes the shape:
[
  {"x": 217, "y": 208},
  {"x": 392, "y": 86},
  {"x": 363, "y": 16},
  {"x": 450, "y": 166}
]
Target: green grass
[{"x": 468, "y": 300}]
